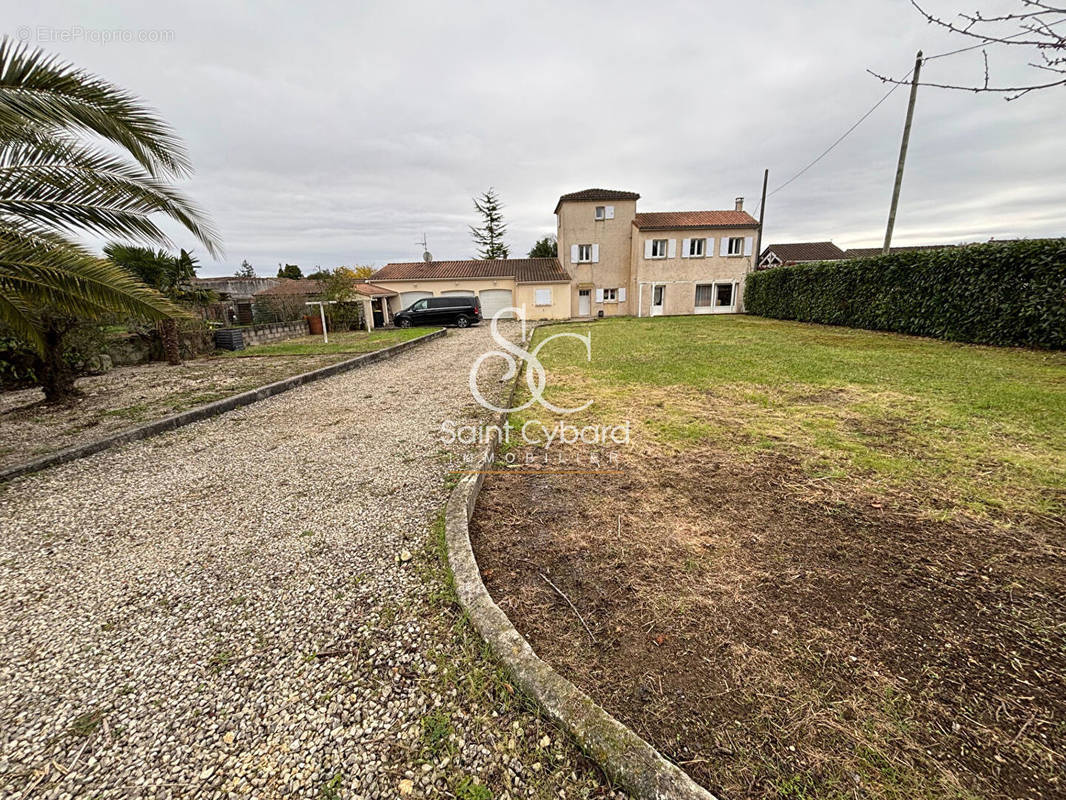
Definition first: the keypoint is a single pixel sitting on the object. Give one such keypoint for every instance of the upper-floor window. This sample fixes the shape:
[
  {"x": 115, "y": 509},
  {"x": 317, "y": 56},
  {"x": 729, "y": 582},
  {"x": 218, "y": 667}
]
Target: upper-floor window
[
  {"x": 695, "y": 247},
  {"x": 658, "y": 248},
  {"x": 584, "y": 252},
  {"x": 604, "y": 212},
  {"x": 736, "y": 246}
]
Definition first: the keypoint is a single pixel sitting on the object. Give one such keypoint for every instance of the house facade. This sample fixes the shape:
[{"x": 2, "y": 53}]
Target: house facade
[
  {"x": 539, "y": 284},
  {"x": 624, "y": 262}
]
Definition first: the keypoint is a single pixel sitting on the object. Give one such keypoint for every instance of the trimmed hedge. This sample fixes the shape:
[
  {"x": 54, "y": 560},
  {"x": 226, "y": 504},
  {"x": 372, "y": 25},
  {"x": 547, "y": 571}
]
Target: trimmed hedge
[{"x": 1010, "y": 293}]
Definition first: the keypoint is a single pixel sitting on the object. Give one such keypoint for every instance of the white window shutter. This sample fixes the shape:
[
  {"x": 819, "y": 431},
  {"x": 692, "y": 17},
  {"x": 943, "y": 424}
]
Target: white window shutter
[
  {"x": 573, "y": 254},
  {"x": 747, "y": 244},
  {"x": 595, "y": 254},
  {"x": 647, "y": 248},
  {"x": 599, "y": 295},
  {"x": 684, "y": 248},
  {"x": 723, "y": 250},
  {"x": 610, "y": 212},
  {"x": 672, "y": 249},
  {"x": 708, "y": 249},
  {"x": 621, "y": 294}
]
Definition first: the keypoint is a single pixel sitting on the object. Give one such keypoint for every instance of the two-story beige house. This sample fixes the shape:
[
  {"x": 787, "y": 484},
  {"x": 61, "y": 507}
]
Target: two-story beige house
[{"x": 622, "y": 262}]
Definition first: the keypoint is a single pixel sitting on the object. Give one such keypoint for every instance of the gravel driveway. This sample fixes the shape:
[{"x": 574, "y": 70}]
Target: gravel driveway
[{"x": 224, "y": 610}]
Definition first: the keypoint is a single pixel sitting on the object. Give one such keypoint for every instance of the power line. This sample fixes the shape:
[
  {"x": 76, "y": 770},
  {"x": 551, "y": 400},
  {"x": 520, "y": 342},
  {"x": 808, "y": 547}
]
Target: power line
[{"x": 875, "y": 106}]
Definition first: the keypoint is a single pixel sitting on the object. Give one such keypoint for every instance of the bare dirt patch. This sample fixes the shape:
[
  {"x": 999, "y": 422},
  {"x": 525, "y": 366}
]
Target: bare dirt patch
[
  {"x": 127, "y": 396},
  {"x": 778, "y": 635}
]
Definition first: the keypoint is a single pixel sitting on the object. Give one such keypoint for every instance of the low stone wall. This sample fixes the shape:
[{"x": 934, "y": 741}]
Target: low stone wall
[{"x": 274, "y": 332}]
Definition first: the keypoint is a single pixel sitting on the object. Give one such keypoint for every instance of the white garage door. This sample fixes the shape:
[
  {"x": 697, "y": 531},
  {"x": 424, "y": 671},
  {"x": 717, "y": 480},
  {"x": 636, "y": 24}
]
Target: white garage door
[
  {"x": 407, "y": 298},
  {"x": 458, "y": 293},
  {"x": 492, "y": 300}
]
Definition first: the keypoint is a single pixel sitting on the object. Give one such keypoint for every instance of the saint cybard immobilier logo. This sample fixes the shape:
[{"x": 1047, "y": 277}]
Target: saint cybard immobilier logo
[{"x": 533, "y": 431}]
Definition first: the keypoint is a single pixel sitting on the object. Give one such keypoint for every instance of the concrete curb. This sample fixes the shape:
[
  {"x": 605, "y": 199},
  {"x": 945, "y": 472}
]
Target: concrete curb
[
  {"x": 625, "y": 757},
  {"x": 208, "y": 410}
]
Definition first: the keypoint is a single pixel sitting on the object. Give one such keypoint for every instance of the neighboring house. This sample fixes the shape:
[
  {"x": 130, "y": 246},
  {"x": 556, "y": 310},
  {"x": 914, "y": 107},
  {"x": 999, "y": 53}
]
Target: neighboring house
[
  {"x": 622, "y": 262},
  {"x": 798, "y": 253},
  {"x": 540, "y": 284},
  {"x": 235, "y": 295},
  {"x": 867, "y": 252}
]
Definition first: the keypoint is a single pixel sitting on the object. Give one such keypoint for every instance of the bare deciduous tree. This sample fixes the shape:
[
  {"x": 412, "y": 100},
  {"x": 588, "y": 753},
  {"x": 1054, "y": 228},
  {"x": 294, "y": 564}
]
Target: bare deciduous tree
[{"x": 1034, "y": 25}]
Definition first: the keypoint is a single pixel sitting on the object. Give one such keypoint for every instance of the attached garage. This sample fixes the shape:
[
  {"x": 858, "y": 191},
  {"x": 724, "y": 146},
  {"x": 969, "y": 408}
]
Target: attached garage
[
  {"x": 406, "y": 298},
  {"x": 492, "y": 300}
]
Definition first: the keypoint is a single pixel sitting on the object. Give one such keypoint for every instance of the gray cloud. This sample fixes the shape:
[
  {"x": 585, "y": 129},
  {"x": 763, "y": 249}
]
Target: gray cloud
[{"x": 330, "y": 133}]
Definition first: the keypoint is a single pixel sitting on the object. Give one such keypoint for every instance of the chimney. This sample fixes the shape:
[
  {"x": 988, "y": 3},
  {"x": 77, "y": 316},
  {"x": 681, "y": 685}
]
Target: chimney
[{"x": 740, "y": 204}]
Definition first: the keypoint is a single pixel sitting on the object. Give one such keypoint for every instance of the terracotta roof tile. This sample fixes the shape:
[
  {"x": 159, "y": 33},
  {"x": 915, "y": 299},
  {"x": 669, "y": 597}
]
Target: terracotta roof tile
[
  {"x": 674, "y": 220},
  {"x": 596, "y": 194},
  {"x": 522, "y": 270},
  {"x": 370, "y": 290}
]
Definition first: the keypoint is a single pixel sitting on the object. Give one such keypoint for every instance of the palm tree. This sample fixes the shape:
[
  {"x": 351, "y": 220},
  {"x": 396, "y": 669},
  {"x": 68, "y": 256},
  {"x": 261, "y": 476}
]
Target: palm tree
[{"x": 56, "y": 180}]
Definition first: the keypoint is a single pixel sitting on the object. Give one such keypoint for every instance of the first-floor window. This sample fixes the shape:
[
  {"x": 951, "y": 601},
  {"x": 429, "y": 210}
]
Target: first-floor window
[
  {"x": 584, "y": 252},
  {"x": 542, "y": 297},
  {"x": 704, "y": 295},
  {"x": 658, "y": 248},
  {"x": 736, "y": 246},
  {"x": 610, "y": 295},
  {"x": 723, "y": 295},
  {"x": 695, "y": 247}
]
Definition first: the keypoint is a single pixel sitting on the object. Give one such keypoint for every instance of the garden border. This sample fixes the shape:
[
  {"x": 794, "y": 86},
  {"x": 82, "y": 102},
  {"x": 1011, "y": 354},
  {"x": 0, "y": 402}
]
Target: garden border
[
  {"x": 623, "y": 755},
  {"x": 208, "y": 410}
]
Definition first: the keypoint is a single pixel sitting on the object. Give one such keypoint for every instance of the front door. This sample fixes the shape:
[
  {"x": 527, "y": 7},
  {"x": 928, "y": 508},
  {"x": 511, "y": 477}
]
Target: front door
[
  {"x": 658, "y": 294},
  {"x": 584, "y": 303}
]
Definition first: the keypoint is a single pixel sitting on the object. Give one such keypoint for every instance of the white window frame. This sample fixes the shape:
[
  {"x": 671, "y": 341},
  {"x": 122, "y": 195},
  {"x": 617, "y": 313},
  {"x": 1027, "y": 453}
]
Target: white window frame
[
  {"x": 655, "y": 246},
  {"x": 584, "y": 254},
  {"x": 703, "y": 309},
  {"x": 734, "y": 290},
  {"x": 739, "y": 242},
  {"x": 601, "y": 213},
  {"x": 539, "y": 296},
  {"x": 697, "y": 248},
  {"x": 610, "y": 295}
]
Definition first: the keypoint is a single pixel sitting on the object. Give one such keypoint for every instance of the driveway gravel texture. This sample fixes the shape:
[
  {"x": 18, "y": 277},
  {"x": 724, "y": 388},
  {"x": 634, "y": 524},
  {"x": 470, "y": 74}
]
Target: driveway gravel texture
[{"x": 229, "y": 610}]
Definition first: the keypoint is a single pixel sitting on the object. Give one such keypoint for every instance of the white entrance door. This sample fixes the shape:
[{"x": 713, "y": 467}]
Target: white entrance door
[
  {"x": 584, "y": 302},
  {"x": 492, "y": 300},
  {"x": 658, "y": 296}
]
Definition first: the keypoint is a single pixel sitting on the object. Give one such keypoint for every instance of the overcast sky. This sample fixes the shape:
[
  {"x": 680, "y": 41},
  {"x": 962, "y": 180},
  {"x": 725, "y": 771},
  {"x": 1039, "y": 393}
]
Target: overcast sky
[{"x": 337, "y": 133}]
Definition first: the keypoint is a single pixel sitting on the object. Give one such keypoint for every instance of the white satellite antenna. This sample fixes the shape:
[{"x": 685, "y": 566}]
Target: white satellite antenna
[{"x": 426, "y": 255}]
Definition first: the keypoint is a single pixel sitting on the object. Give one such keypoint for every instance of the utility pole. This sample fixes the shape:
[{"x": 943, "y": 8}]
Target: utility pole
[
  {"x": 762, "y": 216},
  {"x": 902, "y": 153}
]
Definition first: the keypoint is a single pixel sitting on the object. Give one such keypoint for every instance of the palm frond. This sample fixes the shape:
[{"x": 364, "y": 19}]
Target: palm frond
[
  {"x": 46, "y": 271},
  {"x": 44, "y": 91},
  {"x": 72, "y": 186}
]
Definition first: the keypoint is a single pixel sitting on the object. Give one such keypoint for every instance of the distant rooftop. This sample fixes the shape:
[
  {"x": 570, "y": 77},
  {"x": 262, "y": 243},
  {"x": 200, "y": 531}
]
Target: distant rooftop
[
  {"x": 797, "y": 252},
  {"x": 522, "y": 270}
]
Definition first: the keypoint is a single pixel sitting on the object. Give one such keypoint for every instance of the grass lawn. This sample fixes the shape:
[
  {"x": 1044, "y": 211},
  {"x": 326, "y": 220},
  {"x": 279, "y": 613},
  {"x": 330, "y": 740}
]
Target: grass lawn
[
  {"x": 340, "y": 343},
  {"x": 960, "y": 428},
  {"x": 829, "y": 563}
]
